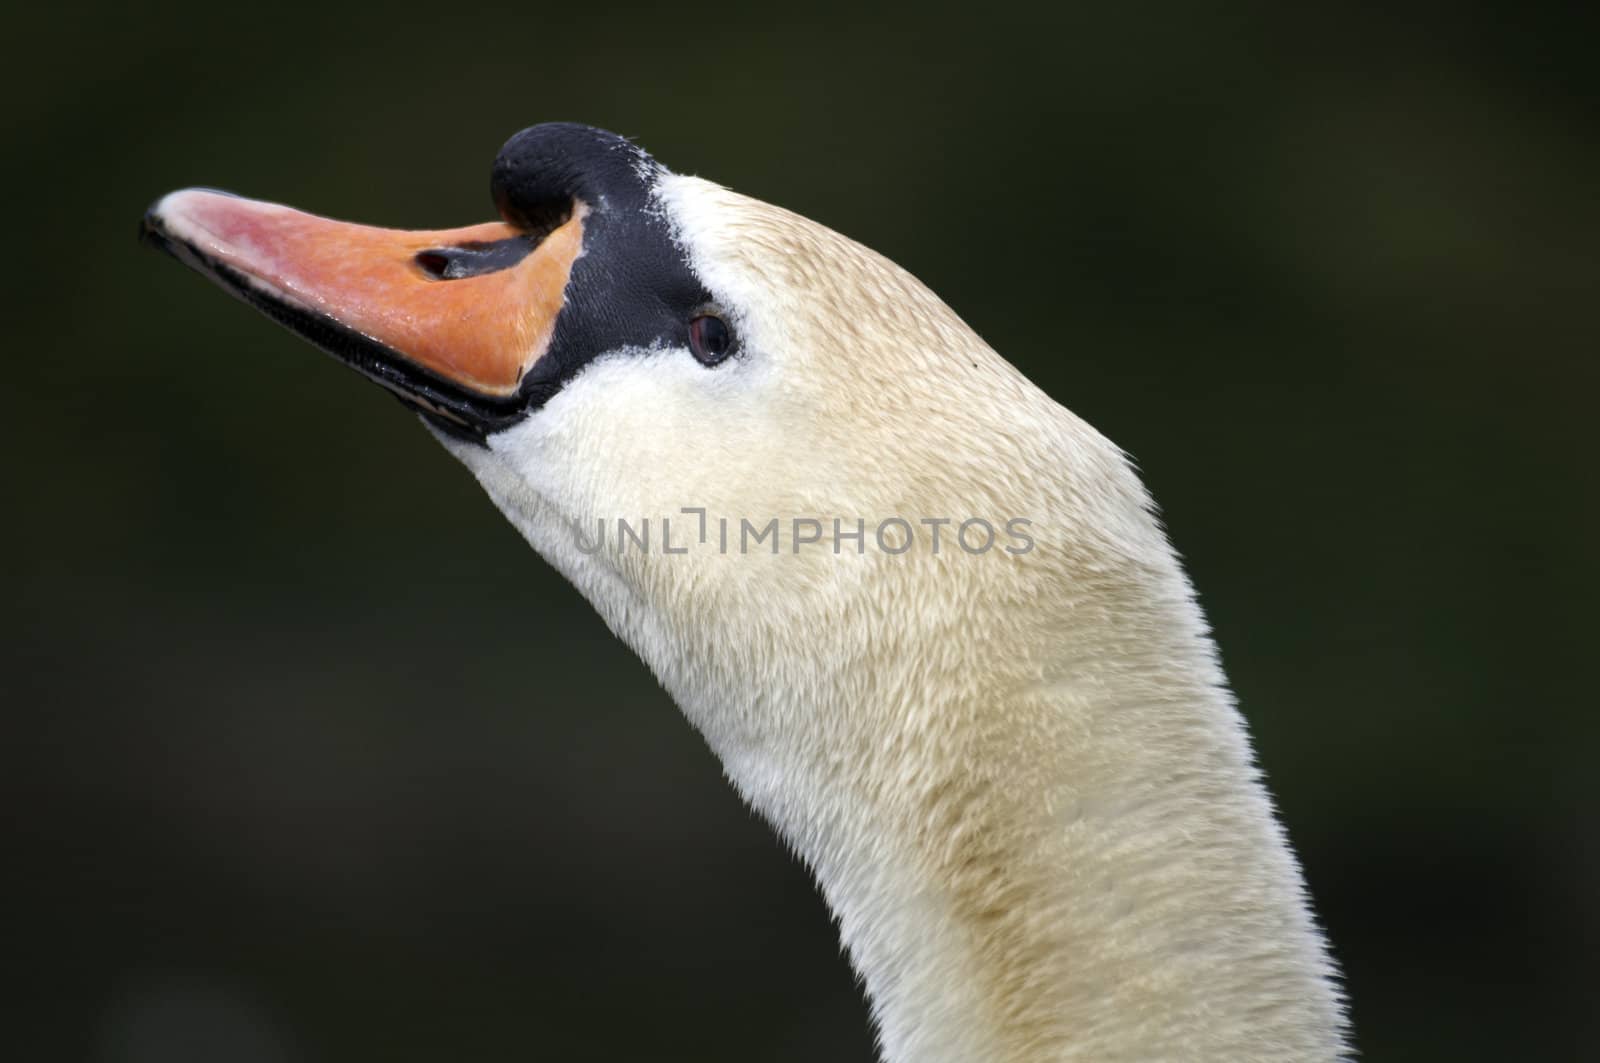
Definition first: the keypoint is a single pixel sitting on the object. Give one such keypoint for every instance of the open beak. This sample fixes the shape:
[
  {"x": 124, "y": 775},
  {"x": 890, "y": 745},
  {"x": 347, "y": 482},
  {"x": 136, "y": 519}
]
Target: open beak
[{"x": 450, "y": 320}]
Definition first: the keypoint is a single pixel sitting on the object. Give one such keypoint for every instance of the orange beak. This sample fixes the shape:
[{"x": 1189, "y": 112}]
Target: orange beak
[{"x": 452, "y": 320}]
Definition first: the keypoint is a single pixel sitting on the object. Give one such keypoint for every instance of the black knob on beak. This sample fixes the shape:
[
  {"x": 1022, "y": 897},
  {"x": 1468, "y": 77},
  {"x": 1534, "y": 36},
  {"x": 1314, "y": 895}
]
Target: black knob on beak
[{"x": 543, "y": 170}]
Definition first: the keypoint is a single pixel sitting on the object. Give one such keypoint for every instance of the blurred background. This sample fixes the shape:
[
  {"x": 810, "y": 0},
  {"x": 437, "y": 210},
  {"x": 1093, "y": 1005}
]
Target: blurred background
[{"x": 305, "y": 756}]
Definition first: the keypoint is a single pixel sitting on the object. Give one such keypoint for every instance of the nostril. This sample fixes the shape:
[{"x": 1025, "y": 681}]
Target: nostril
[
  {"x": 474, "y": 258},
  {"x": 434, "y": 263}
]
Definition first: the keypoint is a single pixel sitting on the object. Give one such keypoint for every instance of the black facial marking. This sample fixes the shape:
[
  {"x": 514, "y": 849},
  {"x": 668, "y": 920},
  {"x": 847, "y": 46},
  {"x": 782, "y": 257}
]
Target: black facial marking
[{"x": 631, "y": 289}]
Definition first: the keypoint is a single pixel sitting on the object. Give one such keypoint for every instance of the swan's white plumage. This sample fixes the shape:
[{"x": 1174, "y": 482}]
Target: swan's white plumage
[{"x": 1019, "y": 779}]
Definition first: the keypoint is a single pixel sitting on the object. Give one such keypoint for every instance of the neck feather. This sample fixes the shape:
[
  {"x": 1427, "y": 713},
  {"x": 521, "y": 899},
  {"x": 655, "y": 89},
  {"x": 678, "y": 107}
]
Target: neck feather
[{"x": 1068, "y": 855}]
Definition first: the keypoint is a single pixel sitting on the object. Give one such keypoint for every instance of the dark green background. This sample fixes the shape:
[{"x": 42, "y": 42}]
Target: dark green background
[{"x": 307, "y": 756}]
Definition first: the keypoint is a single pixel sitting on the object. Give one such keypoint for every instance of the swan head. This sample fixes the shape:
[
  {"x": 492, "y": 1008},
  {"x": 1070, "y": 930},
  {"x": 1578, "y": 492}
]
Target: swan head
[{"x": 739, "y": 433}]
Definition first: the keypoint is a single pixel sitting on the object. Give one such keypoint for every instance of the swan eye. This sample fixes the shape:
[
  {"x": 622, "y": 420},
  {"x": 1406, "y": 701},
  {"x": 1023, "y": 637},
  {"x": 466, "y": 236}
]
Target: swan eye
[{"x": 710, "y": 339}]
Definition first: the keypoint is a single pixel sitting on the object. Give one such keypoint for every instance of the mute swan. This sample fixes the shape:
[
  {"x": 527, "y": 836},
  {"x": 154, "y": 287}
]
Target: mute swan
[{"x": 1016, "y": 771}]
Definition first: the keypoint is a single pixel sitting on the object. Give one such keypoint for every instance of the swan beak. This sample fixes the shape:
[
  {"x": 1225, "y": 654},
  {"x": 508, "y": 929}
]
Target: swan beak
[{"x": 451, "y": 320}]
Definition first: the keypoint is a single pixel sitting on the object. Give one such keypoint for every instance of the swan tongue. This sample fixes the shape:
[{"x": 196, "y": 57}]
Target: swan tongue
[{"x": 464, "y": 311}]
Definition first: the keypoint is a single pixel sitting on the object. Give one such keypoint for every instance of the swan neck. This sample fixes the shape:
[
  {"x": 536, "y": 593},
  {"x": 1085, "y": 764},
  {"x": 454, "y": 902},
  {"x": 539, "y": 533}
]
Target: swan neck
[{"x": 1085, "y": 867}]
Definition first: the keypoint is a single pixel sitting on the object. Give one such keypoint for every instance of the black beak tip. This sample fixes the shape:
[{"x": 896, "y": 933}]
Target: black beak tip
[{"x": 153, "y": 231}]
